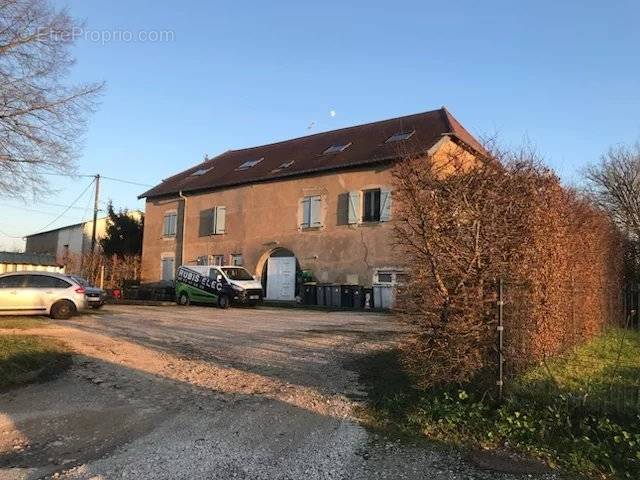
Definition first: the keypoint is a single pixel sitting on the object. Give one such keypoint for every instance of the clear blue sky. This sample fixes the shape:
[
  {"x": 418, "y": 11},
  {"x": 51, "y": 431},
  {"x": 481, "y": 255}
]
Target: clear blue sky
[{"x": 565, "y": 75}]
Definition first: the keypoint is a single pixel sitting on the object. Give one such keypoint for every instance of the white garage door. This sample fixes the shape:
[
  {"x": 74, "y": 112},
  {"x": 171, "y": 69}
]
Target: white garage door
[{"x": 281, "y": 278}]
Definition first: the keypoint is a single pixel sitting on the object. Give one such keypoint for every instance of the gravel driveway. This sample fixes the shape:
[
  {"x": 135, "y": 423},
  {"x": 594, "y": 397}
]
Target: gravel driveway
[{"x": 201, "y": 393}]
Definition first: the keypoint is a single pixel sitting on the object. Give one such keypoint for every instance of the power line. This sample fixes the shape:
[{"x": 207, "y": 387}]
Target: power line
[
  {"x": 27, "y": 209},
  {"x": 68, "y": 208},
  {"x": 40, "y": 202},
  {"x": 130, "y": 182},
  {"x": 10, "y": 236},
  {"x": 86, "y": 210},
  {"x": 127, "y": 181}
]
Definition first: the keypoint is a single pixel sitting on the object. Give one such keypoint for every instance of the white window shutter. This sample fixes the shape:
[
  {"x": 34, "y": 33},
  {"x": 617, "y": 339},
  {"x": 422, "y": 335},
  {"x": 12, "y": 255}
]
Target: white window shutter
[
  {"x": 385, "y": 204},
  {"x": 316, "y": 204},
  {"x": 220, "y": 220},
  {"x": 354, "y": 207},
  {"x": 306, "y": 212}
]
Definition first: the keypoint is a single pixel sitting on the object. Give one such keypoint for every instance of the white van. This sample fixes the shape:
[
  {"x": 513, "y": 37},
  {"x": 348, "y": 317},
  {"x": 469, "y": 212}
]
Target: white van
[{"x": 219, "y": 285}]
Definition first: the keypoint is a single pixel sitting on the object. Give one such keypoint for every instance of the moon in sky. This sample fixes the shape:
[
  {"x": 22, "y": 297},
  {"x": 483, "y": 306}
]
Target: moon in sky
[{"x": 332, "y": 113}]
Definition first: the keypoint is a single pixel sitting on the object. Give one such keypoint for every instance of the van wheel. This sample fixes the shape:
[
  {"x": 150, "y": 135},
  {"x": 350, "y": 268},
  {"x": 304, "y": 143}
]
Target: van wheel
[
  {"x": 183, "y": 299},
  {"x": 223, "y": 301},
  {"x": 62, "y": 310}
]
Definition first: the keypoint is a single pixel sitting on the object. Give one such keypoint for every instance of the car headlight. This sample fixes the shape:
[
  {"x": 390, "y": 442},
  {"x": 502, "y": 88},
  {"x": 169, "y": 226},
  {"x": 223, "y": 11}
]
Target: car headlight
[{"x": 237, "y": 288}]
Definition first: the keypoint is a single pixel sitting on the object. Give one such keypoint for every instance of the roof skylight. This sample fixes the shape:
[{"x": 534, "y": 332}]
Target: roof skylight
[
  {"x": 200, "y": 172},
  {"x": 283, "y": 166},
  {"x": 336, "y": 148},
  {"x": 249, "y": 163},
  {"x": 398, "y": 137}
]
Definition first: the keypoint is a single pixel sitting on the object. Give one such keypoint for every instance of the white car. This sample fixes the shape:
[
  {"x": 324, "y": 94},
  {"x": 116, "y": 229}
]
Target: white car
[{"x": 41, "y": 293}]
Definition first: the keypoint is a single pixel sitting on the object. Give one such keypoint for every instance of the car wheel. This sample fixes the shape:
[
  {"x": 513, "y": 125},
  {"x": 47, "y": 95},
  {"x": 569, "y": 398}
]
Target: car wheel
[
  {"x": 183, "y": 299},
  {"x": 223, "y": 302},
  {"x": 62, "y": 310}
]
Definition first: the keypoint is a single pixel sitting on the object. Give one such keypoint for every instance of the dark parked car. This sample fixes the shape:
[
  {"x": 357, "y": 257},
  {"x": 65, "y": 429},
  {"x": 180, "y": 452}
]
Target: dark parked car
[{"x": 95, "y": 295}]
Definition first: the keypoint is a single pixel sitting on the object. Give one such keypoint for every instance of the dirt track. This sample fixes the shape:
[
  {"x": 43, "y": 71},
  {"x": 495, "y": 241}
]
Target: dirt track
[{"x": 195, "y": 392}]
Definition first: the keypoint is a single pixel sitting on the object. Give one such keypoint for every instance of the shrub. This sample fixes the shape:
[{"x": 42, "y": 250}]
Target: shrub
[{"x": 465, "y": 224}]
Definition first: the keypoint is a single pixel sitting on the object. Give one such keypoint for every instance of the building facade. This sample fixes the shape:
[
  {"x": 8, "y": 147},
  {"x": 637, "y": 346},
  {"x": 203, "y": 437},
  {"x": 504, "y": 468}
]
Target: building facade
[
  {"x": 70, "y": 242},
  {"x": 330, "y": 220}
]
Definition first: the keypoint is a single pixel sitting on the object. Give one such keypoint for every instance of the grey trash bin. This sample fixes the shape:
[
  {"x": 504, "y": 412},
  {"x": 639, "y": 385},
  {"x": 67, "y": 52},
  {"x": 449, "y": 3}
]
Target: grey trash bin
[
  {"x": 321, "y": 297},
  {"x": 336, "y": 296},
  {"x": 383, "y": 296}
]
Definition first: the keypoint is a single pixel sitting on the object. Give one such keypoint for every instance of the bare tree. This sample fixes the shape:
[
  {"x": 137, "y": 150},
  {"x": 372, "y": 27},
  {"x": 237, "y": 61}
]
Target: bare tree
[
  {"x": 41, "y": 117},
  {"x": 615, "y": 186}
]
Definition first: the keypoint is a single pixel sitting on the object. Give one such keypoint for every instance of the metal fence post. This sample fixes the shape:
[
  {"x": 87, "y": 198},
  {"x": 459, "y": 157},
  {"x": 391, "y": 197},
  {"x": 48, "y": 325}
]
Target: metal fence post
[{"x": 500, "y": 329}]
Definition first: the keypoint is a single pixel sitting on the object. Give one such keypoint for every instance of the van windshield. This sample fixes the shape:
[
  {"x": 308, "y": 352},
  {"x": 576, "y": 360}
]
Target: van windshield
[{"x": 237, "y": 273}]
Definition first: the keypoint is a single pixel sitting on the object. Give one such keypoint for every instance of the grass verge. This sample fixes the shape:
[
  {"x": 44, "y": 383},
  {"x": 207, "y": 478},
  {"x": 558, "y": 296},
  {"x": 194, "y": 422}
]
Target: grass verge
[
  {"x": 25, "y": 359},
  {"x": 583, "y": 442},
  {"x": 605, "y": 372},
  {"x": 22, "y": 323}
]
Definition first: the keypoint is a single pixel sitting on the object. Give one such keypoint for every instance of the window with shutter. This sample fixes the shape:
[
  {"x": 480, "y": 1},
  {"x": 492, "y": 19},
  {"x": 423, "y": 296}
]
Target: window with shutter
[
  {"x": 167, "y": 268},
  {"x": 169, "y": 224},
  {"x": 306, "y": 212},
  {"x": 206, "y": 222},
  {"x": 371, "y": 205},
  {"x": 220, "y": 220},
  {"x": 311, "y": 211},
  {"x": 354, "y": 207},
  {"x": 216, "y": 260},
  {"x": 213, "y": 221},
  {"x": 385, "y": 205},
  {"x": 316, "y": 203}
]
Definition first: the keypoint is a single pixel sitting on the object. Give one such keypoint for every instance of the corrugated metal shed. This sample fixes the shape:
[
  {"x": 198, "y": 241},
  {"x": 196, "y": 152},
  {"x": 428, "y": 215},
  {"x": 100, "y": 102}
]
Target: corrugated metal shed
[{"x": 16, "y": 262}]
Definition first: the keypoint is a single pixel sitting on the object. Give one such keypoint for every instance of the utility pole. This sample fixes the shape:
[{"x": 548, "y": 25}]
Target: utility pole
[{"x": 95, "y": 212}]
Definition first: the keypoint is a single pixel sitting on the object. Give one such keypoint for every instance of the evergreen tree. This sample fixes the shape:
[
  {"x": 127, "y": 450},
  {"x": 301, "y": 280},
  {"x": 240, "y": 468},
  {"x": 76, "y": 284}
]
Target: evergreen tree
[{"x": 123, "y": 235}]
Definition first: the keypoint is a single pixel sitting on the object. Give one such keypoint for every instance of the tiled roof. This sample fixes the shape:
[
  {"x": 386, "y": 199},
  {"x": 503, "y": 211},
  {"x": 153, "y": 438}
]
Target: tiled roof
[{"x": 302, "y": 156}]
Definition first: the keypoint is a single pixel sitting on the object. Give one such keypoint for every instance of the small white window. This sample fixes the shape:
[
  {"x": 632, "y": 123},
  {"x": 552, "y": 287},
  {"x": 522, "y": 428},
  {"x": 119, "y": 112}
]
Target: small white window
[
  {"x": 385, "y": 277},
  {"x": 398, "y": 137},
  {"x": 336, "y": 148},
  {"x": 250, "y": 163},
  {"x": 236, "y": 260},
  {"x": 311, "y": 211},
  {"x": 170, "y": 224},
  {"x": 390, "y": 276}
]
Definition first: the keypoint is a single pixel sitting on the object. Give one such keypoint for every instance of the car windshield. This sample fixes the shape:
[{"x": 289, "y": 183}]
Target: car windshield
[{"x": 237, "y": 273}]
